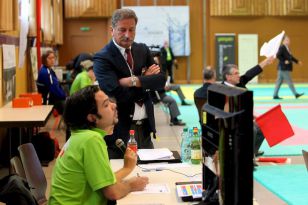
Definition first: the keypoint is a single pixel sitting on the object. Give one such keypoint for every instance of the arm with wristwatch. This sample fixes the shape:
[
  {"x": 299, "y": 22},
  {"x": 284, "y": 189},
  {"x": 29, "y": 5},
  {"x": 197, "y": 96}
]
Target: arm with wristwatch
[{"x": 134, "y": 81}]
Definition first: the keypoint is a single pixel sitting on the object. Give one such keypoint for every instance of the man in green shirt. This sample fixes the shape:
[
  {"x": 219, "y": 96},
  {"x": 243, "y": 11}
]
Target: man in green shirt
[
  {"x": 85, "y": 78},
  {"x": 82, "y": 174}
]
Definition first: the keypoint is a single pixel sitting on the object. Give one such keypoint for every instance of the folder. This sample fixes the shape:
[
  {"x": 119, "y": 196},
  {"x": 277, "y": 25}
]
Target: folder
[{"x": 275, "y": 126}]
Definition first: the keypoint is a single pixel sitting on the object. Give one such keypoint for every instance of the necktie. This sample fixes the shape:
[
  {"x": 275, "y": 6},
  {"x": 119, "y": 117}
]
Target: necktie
[{"x": 129, "y": 58}]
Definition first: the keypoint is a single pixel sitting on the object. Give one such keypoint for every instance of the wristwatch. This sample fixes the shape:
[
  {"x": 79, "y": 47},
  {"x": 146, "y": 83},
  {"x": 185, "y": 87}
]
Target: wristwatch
[{"x": 134, "y": 81}]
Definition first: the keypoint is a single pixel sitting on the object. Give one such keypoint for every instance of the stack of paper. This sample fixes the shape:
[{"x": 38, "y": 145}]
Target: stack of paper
[{"x": 155, "y": 154}]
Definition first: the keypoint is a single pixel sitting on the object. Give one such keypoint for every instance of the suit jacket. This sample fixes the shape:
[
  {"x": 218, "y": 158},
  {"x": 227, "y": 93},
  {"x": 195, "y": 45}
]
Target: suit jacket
[
  {"x": 202, "y": 91},
  {"x": 248, "y": 76},
  {"x": 109, "y": 67},
  {"x": 283, "y": 55}
]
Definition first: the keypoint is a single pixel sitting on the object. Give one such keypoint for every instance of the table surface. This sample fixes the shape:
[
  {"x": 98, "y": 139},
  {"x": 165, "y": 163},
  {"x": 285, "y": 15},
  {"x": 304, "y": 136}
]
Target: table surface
[
  {"x": 24, "y": 117},
  {"x": 160, "y": 177}
]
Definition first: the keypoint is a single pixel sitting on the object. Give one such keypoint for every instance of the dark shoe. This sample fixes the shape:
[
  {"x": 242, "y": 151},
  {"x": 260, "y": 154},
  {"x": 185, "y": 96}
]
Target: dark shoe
[
  {"x": 259, "y": 153},
  {"x": 177, "y": 122},
  {"x": 185, "y": 103},
  {"x": 277, "y": 98},
  {"x": 298, "y": 95}
]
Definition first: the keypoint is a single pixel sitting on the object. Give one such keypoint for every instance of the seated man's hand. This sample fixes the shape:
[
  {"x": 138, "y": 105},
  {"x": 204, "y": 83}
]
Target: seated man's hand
[
  {"x": 138, "y": 183},
  {"x": 130, "y": 159}
]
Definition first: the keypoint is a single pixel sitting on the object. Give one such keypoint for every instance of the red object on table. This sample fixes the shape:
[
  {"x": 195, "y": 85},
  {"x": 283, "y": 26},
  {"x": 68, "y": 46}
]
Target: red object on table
[{"x": 272, "y": 159}]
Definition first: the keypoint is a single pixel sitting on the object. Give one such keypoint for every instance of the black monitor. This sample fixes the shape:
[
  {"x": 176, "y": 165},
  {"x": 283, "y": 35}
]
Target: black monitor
[{"x": 227, "y": 135}]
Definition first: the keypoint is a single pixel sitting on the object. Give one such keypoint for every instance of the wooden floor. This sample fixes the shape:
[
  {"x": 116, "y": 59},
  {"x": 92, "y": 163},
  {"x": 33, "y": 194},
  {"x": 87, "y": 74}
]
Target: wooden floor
[{"x": 167, "y": 136}]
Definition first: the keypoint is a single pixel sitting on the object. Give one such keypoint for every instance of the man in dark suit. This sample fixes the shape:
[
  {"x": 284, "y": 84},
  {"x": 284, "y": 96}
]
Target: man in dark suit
[
  {"x": 200, "y": 95},
  {"x": 167, "y": 60},
  {"x": 285, "y": 67},
  {"x": 209, "y": 77},
  {"x": 231, "y": 77},
  {"x": 126, "y": 71}
]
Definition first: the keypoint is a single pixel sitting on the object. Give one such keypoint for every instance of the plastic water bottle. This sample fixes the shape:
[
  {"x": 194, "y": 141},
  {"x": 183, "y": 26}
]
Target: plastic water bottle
[
  {"x": 195, "y": 147},
  {"x": 185, "y": 146},
  {"x": 132, "y": 143}
]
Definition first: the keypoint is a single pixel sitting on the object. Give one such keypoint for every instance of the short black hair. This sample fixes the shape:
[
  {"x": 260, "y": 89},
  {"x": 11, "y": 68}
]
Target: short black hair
[
  {"x": 226, "y": 70},
  {"x": 78, "y": 106}
]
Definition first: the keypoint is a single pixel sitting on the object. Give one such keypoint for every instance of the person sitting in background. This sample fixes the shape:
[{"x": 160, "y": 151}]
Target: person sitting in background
[
  {"x": 169, "y": 101},
  {"x": 200, "y": 95},
  {"x": 82, "y": 173},
  {"x": 178, "y": 90},
  {"x": 209, "y": 77},
  {"x": 47, "y": 79},
  {"x": 85, "y": 78},
  {"x": 75, "y": 64}
]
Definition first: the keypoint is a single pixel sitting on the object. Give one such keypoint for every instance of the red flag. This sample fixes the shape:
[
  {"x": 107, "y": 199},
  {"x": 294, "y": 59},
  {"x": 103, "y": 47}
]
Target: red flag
[{"x": 275, "y": 126}]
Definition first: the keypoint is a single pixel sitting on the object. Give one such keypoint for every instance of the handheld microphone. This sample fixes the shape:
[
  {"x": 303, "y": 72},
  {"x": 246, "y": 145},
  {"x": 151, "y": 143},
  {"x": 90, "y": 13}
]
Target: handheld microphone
[{"x": 121, "y": 145}]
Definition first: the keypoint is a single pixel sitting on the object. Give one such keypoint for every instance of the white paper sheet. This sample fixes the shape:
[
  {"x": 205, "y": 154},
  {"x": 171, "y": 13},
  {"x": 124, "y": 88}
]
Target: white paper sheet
[
  {"x": 271, "y": 48},
  {"x": 154, "y": 189}
]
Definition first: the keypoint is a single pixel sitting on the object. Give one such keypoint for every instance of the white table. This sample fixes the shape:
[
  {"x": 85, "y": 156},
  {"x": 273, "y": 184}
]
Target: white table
[
  {"x": 160, "y": 177},
  {"x": 35, "y": 116}
]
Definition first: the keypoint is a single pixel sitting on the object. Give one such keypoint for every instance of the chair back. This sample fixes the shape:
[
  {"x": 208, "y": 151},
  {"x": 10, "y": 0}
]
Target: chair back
[
  {"x": 17, "y": 168},
  {"x": 305, "y": 155},
  {"x": 34, "y": 173},
  {"x": 199, "y": 102},
  {"x": 43, "y": 89}
]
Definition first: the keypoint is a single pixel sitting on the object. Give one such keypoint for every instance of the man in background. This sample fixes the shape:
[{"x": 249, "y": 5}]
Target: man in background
[
  {"x": 126, "y": 71},
  {"x": 285, "y": 67},
  {"x": 209, "y": 77},
  {"x": 167, "y": 60},
  {"x": 200, "y": 95}
]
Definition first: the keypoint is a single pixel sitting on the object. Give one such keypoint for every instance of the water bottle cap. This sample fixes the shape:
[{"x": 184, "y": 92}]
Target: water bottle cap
[
  {"x": 185, "y": 129},
  {"x": 132, "y": 132}
]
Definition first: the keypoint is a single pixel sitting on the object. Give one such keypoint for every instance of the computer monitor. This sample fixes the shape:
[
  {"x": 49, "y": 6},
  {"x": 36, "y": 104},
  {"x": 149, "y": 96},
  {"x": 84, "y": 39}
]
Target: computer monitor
[{"x": 227, "y": 135}]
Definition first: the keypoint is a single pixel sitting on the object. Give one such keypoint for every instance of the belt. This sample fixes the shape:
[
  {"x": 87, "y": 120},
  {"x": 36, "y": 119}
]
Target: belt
[{"x": 138, "y": 122}]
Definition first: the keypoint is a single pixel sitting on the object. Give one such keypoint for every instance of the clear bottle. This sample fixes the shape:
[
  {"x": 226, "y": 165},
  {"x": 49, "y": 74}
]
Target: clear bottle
[
  {"x": 132, "y": 143},
  {"x": 185, "y": 146},
  {"x": 195, "y": 147}
]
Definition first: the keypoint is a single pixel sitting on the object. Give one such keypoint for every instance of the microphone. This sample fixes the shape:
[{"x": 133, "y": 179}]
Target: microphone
[{"x": 121, "y": 145}]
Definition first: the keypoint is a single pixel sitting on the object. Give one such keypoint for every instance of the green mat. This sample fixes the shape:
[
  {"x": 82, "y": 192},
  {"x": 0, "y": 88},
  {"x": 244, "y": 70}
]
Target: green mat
[{"x": 288, "y": 182}]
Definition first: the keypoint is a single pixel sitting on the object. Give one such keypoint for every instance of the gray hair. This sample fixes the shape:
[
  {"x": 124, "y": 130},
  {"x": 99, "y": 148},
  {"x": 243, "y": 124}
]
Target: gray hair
[
  {"x": 121, "y": 14},
  {"x": 227, "y": 69}
]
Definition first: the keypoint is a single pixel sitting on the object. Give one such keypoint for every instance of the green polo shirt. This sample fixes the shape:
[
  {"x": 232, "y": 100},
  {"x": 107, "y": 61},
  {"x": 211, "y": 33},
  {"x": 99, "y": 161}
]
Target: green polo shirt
[{"x": 82, "y": 170}]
